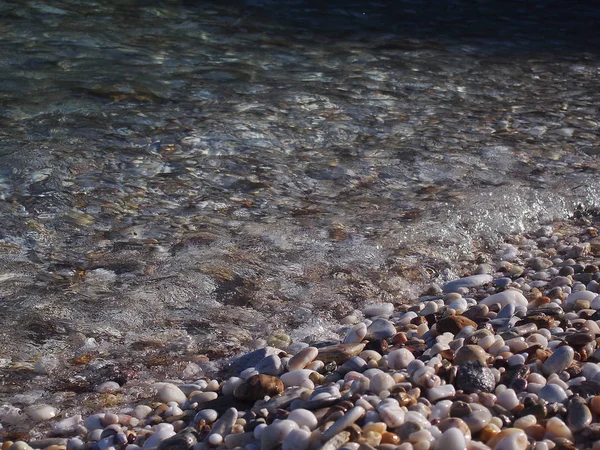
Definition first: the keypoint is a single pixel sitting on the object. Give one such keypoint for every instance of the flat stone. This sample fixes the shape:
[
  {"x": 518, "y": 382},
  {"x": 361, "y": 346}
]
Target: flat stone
[
  {"x": 467, "y": 282},
  {"x": 339, "y": 353}
]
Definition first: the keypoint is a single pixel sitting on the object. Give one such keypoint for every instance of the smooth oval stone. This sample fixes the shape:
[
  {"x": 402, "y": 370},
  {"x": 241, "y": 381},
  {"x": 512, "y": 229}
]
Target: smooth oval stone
[
  {"x": 258, "y": 387},
  {"x": 273, "y": 435},
  {"x": 504, "y": 298},
  {"x": 296, "y": 377},
  {"x": 469, "y": 353},
  {"x": 380, "y": 329},
  {"x": 580, "y": 295},
  {"x": 303, "y": 358},
  {"x": 579, "y": 415},
  {"x": 231, "y": 385},
  {"x": 304, "y": 418},
  {"x": 559, "y": 360},
  {"x": 558, "y": 428},
  {"x": 468, "y": 282},
  {"x": 40, "y": 413},
  {"x": 378, "y": 309},
  {"x": 553, "y": 393},
  {"x": 344, "y": 422},
  {"x": 271, "y": 365},
  {"x": 225, "y": 423},
  {"x": 451, "y": 439},
  {"x": 430, "y": 308},
  {"x": 170, "y": 393},
  {"x": 208, "y": 415},
  {"x": 356, "y": 334}
]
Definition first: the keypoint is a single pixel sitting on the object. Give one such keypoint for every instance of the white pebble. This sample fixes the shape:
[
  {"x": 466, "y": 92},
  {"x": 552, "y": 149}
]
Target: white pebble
[
  {"x": 304, "y": 418},
  {"x": 170, "y": 393}
]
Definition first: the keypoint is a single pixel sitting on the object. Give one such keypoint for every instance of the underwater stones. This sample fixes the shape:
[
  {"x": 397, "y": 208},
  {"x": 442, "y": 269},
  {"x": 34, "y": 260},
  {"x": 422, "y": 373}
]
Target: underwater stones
[
  {"x": 39, "y": 413},
  {"x": 378, "y": 309}
]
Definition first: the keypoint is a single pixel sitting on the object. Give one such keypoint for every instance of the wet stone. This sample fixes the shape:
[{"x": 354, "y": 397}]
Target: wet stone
[
  {"x": 257, "y": 387},
  {"x": 380, "y": 329}
]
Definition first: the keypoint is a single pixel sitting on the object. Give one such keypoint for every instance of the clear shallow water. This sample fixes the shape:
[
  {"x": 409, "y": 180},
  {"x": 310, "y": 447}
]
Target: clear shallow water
[{"x": 184, "y": 178}]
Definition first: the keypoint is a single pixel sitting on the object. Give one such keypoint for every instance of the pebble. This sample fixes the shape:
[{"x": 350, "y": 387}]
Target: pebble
[
  {"x": 170, "y": 393},
  {"x": 380, "y": 329},
  {"x": 559, "y": 360},
  {"x": 468, "y": 282},
  {"x": 303, "y": 358}
]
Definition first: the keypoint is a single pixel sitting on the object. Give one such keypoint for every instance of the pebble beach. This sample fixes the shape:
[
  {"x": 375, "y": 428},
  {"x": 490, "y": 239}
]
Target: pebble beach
[{"x": 505, "y": 357}]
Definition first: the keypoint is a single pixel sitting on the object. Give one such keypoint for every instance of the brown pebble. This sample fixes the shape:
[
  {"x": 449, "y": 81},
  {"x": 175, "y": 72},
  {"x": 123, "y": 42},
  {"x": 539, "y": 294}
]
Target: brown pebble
[
  {"x": 6, "y": 444},
  {"x": 594, "y": 404},
  {"x": 339, "y": 353},
  {"x": 390, "y": 438},
  {"x": 257, "y": 387},
  {"x": 536, "y": 431},
  {"x": 399, "y": 338},
  {"x": 453, "y": 324},
  {"x": 56, "y": 447}
]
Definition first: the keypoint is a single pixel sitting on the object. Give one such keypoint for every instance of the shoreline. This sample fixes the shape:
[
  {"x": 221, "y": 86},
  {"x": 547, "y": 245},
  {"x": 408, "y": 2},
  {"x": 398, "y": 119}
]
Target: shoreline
[{"x": 515, "y": 260}]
